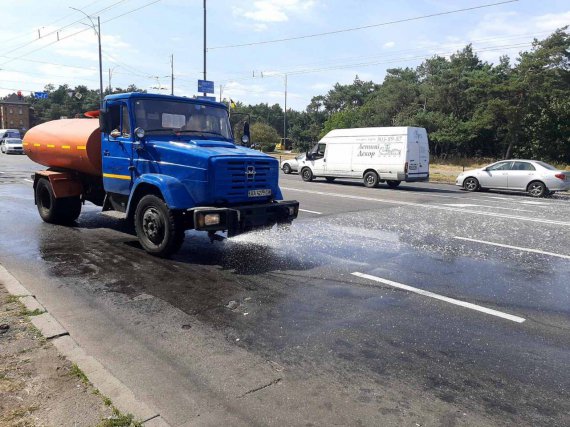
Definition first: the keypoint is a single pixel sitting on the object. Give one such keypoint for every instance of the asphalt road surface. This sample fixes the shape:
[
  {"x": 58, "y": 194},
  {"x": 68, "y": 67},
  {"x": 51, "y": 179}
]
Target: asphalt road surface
[{"x": 423, "y": 305}]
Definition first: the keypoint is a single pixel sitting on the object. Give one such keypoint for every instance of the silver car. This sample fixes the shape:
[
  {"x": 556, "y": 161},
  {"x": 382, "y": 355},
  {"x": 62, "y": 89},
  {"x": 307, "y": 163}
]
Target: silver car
[
  {"x": 535, "y": 177},
  {"x": 292, "y": 165},
  {"x": 12, "y": 145}
]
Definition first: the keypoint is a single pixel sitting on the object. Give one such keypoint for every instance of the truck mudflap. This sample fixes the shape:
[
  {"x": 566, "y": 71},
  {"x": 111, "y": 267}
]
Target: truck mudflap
[{"x": 240, "y": 219}]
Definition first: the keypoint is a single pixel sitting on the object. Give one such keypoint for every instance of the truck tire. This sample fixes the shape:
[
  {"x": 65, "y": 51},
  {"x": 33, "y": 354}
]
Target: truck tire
[
  {"x": 159, "y": 229},
  {"x": 307, "y": 174},
  {"x": 393, "y": 184},
  {"x": 61, "y": 211},
  {"x": 371, "y": 179}
]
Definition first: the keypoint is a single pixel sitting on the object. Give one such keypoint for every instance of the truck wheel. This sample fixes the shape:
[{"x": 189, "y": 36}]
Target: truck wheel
[
  {"x": 160, "y": 230},
  {"x": 393, "y": 184},
  {"x": 371, "y": 179},
  {"x": 56, "y": 211},
  {"x": 307, "y": 174}
]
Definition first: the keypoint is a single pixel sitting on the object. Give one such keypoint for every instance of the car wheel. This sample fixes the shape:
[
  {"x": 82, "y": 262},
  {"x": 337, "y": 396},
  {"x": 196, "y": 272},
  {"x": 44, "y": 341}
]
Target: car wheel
[
  {"x": 307, "y": 174},
  {"x": 286, "y": 168},
  {"x": 159, "y": 229},
  {"x": 471, "y": 184},
  {"x": 393, "y": 184},
  {"x": 371, "y": 179},
  {"x": 330, "y": 178},
  {"x": 537, "y": 189}
]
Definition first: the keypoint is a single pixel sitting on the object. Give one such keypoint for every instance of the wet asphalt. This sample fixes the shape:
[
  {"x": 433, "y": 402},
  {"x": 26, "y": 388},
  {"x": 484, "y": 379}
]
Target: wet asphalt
[{"x": 341, "y": 348}]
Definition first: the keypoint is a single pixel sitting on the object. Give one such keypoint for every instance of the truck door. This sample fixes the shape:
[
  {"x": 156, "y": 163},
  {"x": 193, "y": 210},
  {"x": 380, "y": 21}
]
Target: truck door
[{"x": 117, "y": 150}]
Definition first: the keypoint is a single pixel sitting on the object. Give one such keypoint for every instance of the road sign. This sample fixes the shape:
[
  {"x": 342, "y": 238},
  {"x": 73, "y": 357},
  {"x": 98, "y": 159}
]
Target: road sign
[
  {"x": 40, "y": 95},
  {"x": 207, "y": 98},
  {"x": 205, "y": 86}
]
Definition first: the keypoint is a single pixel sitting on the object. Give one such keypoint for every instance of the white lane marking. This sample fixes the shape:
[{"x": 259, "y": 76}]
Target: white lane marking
[
  {"x": 442, "y": 298},
  {"x": 475, "y": 205},
  {"x": 445, "y": 208},
  {"x": 29, "y": 180},
  {"x": 501, "y": 245},
  {"x": 313, "y": 212},
  {"x": 532, "y": 202}
]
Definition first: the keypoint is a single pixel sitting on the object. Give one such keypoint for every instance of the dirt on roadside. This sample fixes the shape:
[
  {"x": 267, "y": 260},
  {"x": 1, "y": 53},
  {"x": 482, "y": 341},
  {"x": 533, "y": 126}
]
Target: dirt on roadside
[{"x": 38, "y": 386}]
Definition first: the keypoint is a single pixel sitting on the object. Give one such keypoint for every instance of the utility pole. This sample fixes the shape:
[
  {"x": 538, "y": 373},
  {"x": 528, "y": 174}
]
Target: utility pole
[
  {"x": 221, "y": 90},
  {"x": 111, "y": 78},
  {"x": 100, "y": 58},
  {"x": 285, "y": 116},
  {"x": 205, "y": 94},
  {"x": 98, "y": 32},
  {"x": 171, "y": 74}
]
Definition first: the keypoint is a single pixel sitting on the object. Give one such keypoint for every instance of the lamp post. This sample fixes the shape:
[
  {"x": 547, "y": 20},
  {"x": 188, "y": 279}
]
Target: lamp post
[
  {"x": 111, "y": 77},
  {"x": 205, "y": 94},
  {"x": 97, "y": 30}
]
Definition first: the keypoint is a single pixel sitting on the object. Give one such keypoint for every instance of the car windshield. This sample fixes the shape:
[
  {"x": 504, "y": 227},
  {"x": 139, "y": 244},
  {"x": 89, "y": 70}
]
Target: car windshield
[
  {"x": 547, "y": 166},
  {"x": 156, "y": 115},
  {"x": 12, "y": 134},
  {"x": 13, "y": 141}
]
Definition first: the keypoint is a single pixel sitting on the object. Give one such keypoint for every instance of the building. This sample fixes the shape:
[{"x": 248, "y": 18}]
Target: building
[{"x": 14, "y": 113}]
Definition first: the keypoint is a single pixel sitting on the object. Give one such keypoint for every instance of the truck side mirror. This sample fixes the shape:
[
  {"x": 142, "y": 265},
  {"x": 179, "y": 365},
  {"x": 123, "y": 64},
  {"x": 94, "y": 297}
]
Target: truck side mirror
[{"x": 246, "y": 138}]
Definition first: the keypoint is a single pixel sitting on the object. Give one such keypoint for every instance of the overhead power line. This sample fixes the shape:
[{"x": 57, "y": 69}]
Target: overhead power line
[
  {"x": 80, "y": 31},
  {"x": 363, "y": 27},
  {"x": 62, "y": 28}
]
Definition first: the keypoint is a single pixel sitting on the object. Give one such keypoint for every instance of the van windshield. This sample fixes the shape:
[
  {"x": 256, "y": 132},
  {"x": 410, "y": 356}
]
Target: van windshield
[{"x": 157, "y": 115}]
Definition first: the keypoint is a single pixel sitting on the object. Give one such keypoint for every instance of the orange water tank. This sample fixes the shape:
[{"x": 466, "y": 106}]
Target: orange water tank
[{"x": 68, "y": 143}]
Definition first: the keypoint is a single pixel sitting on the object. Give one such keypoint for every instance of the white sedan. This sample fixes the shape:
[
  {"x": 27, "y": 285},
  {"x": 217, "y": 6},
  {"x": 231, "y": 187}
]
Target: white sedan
[
  {"x": 12, "y": 145},
  {"x": 535, "y": 177},
  {"x": 292, "y": 165}
]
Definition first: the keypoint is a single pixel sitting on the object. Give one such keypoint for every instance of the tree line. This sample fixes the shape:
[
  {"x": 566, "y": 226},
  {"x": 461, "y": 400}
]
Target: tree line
[{"x": 470, "y": 108}]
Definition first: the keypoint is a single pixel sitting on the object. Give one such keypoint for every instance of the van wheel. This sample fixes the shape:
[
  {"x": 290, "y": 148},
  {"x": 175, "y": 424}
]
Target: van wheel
[
  {"x": 286, "y": 168},
  {"x": 330, "y": 178},
  {"x": 537, "y": 189},
  {"x": 159, "y": 229},
  {"x": 61, "y": 211},
  {"x": 393, "y": 184},
  {"x": 371, "y": 179},
  {"x": 307, "y": 174},
  {"x": 471, "y": 184}
]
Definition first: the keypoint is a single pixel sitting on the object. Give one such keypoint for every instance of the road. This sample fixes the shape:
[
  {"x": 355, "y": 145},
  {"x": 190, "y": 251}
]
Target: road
[{"x": 424, "y": 305}]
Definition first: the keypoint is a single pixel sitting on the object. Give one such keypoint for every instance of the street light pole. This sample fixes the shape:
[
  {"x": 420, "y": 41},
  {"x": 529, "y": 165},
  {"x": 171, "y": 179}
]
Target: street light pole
[
  {"x": 98, "y": 32},
  {"x": 205, "y": 94},
  {"x": 285, "y": 116}
]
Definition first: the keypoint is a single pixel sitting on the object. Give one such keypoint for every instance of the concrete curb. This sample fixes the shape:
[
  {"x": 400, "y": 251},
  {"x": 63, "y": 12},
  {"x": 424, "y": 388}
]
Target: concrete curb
[{"x": 109, "y": 385}]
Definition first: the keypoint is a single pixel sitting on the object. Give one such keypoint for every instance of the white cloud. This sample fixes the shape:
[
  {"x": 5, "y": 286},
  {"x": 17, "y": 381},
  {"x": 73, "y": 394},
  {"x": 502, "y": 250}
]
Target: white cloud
[
  {"x": 389, "y": 44},
  {"x": 550, "y": 22},
  {"x": 274, "y": 10}
]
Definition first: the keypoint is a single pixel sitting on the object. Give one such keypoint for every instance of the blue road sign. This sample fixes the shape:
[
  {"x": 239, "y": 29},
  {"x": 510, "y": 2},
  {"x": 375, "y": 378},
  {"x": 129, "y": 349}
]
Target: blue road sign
[
  {"x": 205, "y": 86},
  {"x": 40, "y": 95},
  {"x": 207, "y": 98}
]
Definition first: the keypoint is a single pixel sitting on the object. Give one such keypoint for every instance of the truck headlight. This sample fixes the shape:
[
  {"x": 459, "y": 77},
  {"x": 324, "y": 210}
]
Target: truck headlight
[{"x": 211, "y": 219}]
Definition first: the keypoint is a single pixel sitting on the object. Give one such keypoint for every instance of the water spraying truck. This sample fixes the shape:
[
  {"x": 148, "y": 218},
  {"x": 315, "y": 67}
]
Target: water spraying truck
[{"x": 169, "y": 163}]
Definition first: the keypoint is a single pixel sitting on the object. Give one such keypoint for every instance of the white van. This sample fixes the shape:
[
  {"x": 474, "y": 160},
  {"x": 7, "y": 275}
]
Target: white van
[{"x": 390, "y": 154}]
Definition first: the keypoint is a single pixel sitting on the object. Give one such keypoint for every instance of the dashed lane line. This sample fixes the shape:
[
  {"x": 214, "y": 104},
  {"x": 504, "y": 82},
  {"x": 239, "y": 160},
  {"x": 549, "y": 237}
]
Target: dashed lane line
[
  {"x": 518, "y": 248},
  {"x": 439, "y": 207},
  {"x": 454, "y": 301},
  {"x": 28, "y": 180}
]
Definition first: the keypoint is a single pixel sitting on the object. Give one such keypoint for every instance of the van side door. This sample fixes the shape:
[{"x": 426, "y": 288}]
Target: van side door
[{"x": 117, "y": 149}]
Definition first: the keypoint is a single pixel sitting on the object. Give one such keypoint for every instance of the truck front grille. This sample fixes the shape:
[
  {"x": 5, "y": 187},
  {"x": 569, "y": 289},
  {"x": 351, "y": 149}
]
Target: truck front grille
[{"x": 235, "y": 178}]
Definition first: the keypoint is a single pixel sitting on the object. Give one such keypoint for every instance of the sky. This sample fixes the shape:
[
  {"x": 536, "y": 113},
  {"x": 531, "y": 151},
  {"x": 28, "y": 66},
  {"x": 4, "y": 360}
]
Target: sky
[{"x": 44, "y": 42}]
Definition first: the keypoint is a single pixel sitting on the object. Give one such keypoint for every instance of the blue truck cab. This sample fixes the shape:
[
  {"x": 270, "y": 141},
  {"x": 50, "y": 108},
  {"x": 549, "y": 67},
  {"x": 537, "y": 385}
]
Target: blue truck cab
[{"x": 171, "y": 164}]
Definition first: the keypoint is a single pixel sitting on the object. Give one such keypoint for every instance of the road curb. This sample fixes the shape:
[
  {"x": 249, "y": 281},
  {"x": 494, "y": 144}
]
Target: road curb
[{"x": 109, "y": 385}]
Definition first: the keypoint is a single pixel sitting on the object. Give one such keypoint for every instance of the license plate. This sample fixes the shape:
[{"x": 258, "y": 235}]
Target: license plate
[{"x": 259, "y": 193}]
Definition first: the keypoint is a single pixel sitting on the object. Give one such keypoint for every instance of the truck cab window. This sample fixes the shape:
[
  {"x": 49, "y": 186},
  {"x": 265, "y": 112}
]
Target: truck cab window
[
  {"x": 125, "y": 122},
  {"x": 115, "y": 113}
]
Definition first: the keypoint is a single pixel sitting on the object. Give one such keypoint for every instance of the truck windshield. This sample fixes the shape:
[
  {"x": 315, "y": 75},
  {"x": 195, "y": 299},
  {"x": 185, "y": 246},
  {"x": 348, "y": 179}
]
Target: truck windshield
[{"x": 157, "y": 115}]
